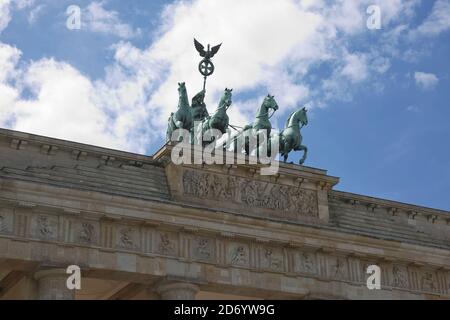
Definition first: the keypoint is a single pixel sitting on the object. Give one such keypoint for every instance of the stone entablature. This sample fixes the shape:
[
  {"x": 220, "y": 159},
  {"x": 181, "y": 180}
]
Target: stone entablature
[
  {"x": 291, "y": 202},
  {"x": 394, "y": 208},
  {"x": 399, "y": 221},
  {"x": 39, "y": 150},
  {"x": 31, "y": 155},
  {"x": 306, "y": 257},
  {"x": 211, "y": 229},
  {"x": 289, "y": 195}
]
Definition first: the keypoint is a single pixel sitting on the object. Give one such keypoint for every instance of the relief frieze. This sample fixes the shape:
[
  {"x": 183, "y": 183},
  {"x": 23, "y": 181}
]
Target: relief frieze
[
  {"x": 127, "y": 238},
  {"x": 236, "y": 252},
  {"x": 45, "y": 227},
  {"x": 284, "y": 199},
  {"x": 338, "y": 268},
  {"x": 399, "y": 277},
  {"x": 306, "y": 263},
  {"x": 273, "y": 259},
  {"x": 203, "y": 249},
  {"x": 428, "y": 282},
  {"x": 87, "y": 233},
  {"x": 166, "y": 243}
]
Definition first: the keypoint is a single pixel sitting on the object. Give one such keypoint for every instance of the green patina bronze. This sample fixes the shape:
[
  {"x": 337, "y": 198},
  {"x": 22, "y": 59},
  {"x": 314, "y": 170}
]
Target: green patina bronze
[
  {"x": 219, "y": 120},
  {"x": 198, "y": 107},
  {"x": 206, "y": 67},
  {"x": 262, "y": 122},
  {"x": 263, "y": 115},
  {"x": 290, "y": 139},
  {"x": 182, "y": 118}
]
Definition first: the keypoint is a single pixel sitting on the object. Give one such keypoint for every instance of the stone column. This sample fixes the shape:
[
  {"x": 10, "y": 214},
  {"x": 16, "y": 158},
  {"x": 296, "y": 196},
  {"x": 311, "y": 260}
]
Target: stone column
[
  {"x": 25, "y": 289},
  {"x": 52, "y": 285},
  {"x": 177, "y": 291},
  {"x": 147, "y": 294}
]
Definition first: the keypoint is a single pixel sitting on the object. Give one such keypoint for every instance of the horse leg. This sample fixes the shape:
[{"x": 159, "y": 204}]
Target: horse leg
[
  {"x": 286, "y": 153},
  {"x": 305, "y": 153},
  {"x": 286, "y": 149}
]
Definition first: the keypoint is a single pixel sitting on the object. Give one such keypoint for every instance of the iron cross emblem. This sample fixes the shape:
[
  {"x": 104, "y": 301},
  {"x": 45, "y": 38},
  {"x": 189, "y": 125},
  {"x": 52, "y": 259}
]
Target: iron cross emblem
[{"x": 206, "y": 67}]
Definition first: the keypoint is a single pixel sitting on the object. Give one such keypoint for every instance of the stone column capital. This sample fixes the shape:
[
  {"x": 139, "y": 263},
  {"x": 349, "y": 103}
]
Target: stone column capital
[
  {"x": 52, "y": 284},
  {"x": 50, "y": 272},
  {"x": 177, "y": 290}
]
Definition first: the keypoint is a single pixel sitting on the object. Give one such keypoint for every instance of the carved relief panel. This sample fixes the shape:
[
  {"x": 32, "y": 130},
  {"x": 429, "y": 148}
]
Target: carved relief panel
[
  {"x": 428, "y": 281},
  {"x": 232, "y": 251},
  {"x": 203, "y": 249},
  {"x": 272, "y": 258},
  {"x": 238, "y": 254},
  {"x": 399, "y": 276},
  {"x": 166, "y": 243},
  {"x": 127, "y": 237},
  {"x": 337, "y": 268},
  {"x": 284, "y": 201},
  {"x": 44, "y": 226},
  {"x": 305, "y": 262},
  {"x": 85, "y": 232}
]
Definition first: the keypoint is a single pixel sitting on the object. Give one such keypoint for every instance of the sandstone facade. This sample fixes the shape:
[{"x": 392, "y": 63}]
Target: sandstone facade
[{"x": 141, "y": 227}]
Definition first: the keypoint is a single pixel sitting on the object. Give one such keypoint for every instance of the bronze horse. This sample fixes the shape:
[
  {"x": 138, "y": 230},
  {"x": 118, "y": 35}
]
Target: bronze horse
[
  {"x": 182, "y": 118},
  {"x": 290, "y": 138}
]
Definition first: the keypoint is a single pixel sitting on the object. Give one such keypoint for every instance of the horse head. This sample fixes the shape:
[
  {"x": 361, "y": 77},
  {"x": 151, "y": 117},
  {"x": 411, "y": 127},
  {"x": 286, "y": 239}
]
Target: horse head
[
  {"x": 225, "y": 101},
  {"x": 220, "y": 118},
  {"x": 270, "y": 103},
  {"x": 183, "y": 101},
  {"x": 181, "y": 88},
  {"x": 299, "y": 116},
  {"x": 302, "y": 116}
]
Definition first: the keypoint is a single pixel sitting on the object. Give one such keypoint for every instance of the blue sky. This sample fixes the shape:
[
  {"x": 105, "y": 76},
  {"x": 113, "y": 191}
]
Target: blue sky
[{"x": 378, "y": 99}]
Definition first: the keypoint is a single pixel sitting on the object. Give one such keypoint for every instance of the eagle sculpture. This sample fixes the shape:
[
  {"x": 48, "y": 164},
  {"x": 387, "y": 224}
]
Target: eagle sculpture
[{"x": 206, "y": 54}]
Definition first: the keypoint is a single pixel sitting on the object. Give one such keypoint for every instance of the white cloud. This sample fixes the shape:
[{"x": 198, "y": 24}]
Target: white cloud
[
  {"x": 34, "y": 13},
  {"x": 63, "y": 106},
  {"x": 9, "y": 56},
  {"x": 426, "y": 80},
  {"x": 22, "y": 4},
  {"x": 267, "y": 46},
  {"x": 5, "y": 15},
  {"x": 97, "y": 19},
  {"x": 6, "y": 6},
  {"x": 412, "y": 108},
  {"x": 438, "y": 21},
  {"x": 279, "y": 41},
  {"x": 67, "y": 104},
  {"x": 395, "y": 10},
  {"x": 381, "y": 64},
  {"x": 355, "y": 67}
]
